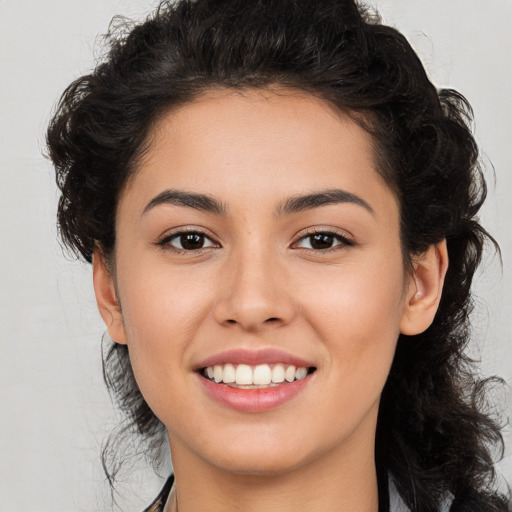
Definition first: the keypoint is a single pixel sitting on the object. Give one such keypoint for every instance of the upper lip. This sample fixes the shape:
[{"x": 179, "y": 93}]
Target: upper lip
[{"x": 253, "y": 358}]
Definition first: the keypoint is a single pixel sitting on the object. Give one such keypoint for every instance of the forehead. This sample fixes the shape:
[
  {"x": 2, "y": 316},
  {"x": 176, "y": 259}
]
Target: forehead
[{"x": 257, "y": 145}]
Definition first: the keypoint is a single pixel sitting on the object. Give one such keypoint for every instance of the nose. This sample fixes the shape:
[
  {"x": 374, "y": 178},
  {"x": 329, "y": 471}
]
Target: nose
[{"x": 254, "y": 293}]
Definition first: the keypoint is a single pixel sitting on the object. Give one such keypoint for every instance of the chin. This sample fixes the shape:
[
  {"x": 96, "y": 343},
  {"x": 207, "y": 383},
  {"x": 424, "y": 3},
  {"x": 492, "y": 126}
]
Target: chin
[
  {"x": 260, "y": 465},
  {"x": 263, "y": 456}
]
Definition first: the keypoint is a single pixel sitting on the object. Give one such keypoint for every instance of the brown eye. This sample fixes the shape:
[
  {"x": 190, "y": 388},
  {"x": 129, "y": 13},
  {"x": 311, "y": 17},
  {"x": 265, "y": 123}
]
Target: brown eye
[
  {"x": 189, "y": 241},
  {"x": 192, "y": 241},
  {"x": 323, "y": 241}
]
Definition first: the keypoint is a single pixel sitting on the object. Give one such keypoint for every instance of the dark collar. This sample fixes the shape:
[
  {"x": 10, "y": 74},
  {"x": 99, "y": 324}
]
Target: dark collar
[{"x": 159, "y": 502}]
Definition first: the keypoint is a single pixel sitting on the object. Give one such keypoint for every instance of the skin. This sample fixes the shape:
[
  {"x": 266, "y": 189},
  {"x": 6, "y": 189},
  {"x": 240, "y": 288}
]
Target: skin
[{"x": 259, "y": 283}]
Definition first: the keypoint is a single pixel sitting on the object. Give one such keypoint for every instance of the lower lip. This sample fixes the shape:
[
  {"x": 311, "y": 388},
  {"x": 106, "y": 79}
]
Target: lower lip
[{"x": 254, "y": 400}]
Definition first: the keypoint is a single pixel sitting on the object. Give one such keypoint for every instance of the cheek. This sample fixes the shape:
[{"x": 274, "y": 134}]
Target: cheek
[
  {"x": 161, "y": 306},
  {"x": 356, "y": 312},
  {"x": 162, "y": 311}
]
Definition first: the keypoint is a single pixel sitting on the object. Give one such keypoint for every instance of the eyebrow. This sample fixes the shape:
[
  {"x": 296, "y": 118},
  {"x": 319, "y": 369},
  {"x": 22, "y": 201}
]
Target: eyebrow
[
  {"x": 301, "y": 203},
  {"x": 201, "y": 202},
  {"x": 295, "y": 204}
]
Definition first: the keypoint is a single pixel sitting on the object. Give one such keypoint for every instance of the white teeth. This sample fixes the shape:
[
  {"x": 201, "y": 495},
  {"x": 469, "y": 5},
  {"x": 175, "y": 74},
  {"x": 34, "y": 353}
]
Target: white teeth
[
  {"x": 229, "y": 374},
  {"x": 217, "y": 372},
  {"x": 243, "y": 374},
  {"x": 300, "y": 373},
  {"x": 278, "y": 373},
  {"x": 260, "y": 375},
  {"x": 289, "y": 374}
]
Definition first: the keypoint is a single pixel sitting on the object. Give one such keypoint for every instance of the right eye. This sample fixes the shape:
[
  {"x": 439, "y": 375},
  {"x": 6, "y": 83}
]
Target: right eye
[{"x": 188, "y": 241}]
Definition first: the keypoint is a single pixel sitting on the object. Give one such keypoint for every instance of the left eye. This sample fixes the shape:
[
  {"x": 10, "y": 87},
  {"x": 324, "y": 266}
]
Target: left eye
[
  {"x": 190, "y": 241},
  {"x": 322, "y": 241}
]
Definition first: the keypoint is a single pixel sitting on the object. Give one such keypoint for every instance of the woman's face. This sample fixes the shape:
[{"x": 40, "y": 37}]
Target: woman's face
[{"x": 256, "y": 235}]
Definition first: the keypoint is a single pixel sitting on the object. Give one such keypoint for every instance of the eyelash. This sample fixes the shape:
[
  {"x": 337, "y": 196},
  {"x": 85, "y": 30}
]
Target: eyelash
[
  {"x": 165, "y": 243},
  {"x": 343, "y": 241}
]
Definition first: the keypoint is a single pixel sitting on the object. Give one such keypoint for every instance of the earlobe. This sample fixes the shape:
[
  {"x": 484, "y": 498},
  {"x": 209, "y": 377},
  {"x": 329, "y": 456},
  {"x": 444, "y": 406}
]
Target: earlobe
[
  {"x": 106, "y": 299},
  {"x": 424, "y": 290}
]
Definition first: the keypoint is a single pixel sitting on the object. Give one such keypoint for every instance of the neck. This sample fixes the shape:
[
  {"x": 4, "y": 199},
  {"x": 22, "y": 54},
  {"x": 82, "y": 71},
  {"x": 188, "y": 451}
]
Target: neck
[{"x": 335, "y": 482}]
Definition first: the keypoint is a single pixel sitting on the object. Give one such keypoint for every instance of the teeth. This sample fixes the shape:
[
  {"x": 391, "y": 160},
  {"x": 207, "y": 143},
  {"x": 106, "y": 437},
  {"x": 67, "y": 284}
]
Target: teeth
[
  {"x": 289, "y": 374},
  {"x": 260, "y": 375},
  {"x": 228, "y": 375},
  {"x": 217, "y": 372},
  {"x": 300, "y": 373},
  {"x": 278, "y": 373},
  {"x": 243, "y": 374}
]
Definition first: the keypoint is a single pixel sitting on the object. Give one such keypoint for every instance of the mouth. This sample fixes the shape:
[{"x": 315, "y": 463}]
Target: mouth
[
  {"x": 255, "y": 381},
  {"x": 261, "y": 376}
]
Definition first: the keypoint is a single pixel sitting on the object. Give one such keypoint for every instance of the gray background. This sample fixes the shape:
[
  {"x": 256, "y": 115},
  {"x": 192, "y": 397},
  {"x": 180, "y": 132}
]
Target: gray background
[{"x": 54, "y": 411}]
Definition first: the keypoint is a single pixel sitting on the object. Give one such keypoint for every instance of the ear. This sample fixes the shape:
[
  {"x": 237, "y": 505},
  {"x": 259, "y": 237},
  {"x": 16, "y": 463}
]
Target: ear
[
  {"x": 106, "y": 298},
  {"x": 424, "y": 289}
]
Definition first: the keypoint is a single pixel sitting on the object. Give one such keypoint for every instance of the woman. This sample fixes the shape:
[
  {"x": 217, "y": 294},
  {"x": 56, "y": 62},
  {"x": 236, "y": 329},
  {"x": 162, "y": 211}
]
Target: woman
[{"x": 280, "y": 210}]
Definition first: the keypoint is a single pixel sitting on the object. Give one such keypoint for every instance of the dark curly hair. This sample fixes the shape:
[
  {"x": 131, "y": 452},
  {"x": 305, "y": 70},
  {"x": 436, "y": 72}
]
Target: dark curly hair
[{"x": 434, "y": 436}]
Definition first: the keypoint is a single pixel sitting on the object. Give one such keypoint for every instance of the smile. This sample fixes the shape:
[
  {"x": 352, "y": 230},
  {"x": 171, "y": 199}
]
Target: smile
[
  {"x": 244, "y": 376},
  {"x": 255, "y": 381}
]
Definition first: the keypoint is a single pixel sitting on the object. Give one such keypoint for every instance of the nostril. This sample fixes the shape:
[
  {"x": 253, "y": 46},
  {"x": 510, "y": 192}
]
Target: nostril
[{"x": 273, "y": 319}]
